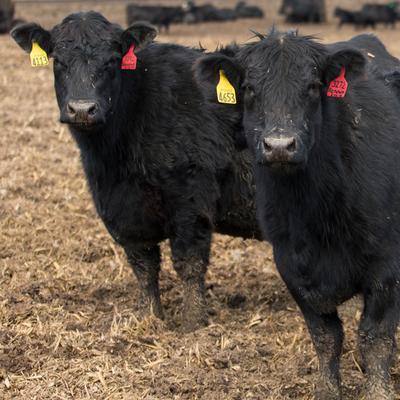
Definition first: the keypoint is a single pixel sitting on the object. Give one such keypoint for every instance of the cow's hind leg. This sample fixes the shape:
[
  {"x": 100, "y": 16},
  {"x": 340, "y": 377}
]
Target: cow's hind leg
[
  {"x": 377, "y": 339},
  {"x": 190, "y": 248},
  {"x": 144, "y": 259}
]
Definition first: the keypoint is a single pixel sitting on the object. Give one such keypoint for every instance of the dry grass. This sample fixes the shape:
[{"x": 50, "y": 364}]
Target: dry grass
[{"x": 67, "y": 320}]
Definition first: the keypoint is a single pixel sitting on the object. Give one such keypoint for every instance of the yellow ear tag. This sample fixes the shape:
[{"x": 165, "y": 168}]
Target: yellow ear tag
[
  {"x": 38, "y": 56},
  {"x": 225, "y": 91}
]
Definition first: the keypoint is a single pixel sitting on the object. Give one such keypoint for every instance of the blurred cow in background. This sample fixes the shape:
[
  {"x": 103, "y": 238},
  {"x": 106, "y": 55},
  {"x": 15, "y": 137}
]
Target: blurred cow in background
[
  {"x": 207, "y": 12},
  {"x": 369, "y": 15},
  {"x": 189, "y": 13},
  {"x": 303, "y": 10},
  {"x": 156, "y": 15},
  {"x": 7, "y": 22},
  {"x": 245, "y": 11}
]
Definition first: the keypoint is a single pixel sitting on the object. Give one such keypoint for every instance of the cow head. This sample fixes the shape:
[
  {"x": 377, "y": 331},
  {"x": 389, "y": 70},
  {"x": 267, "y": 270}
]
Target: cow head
[
  {"x": 87, "y": 51},
  {"x": 283, "y": 80}
]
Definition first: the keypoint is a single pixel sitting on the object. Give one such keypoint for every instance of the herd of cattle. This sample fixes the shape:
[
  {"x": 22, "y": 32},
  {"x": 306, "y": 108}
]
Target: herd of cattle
[
  {"x": 369, "y": 15},
  {"x": 295, "y": 11},
  {"x": 189, "y": 13},
  {"x": 283, "y": 139}
]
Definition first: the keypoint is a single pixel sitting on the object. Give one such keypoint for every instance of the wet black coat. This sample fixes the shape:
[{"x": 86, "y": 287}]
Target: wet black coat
[
  {"x": 328, "y": 186},
  {"x": 159, "y": 158}
]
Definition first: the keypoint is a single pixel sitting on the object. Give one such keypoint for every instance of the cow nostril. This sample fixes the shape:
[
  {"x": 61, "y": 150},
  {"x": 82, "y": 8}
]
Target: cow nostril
[
  {"x": 267, "y": 146},
  {"x": 70, "y": 109},
  {"x": 291, "y": 148},
  {"x": 92, "y": 110}
]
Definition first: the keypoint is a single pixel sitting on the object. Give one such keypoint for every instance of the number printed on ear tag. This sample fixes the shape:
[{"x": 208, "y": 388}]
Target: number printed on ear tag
[
  {"x": 129, "y": 60},
  {"x": 338, "y": 86},
  {"x": 38, "y": 56},
  {"x": 225, "y": 91}
]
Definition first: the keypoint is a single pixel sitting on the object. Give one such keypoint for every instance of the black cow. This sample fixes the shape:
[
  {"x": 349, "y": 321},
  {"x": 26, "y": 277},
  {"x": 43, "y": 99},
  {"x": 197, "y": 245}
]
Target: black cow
[
  {"x": 7, "y": 22},
  {"x": 207, "y": 13},
  {"x": 348, "y": 17},
  {"x": 6, "y": 15},
  {"x": 242, "y": 10},
  {"x": 162, "y": 16},
  {"x": 159, "y": 158},
  {"x": 369, "y": 15},
  {"x": 299, "y": 11},
  {"x": 327, "y": 171},
  {"x": 374, "y": 13}
]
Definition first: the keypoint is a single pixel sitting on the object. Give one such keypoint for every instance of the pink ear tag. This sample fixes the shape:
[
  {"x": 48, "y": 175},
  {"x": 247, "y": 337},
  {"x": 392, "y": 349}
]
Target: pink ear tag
[
  {"x": 129, "y": 60},
  {"x": 338, "y": 86}
]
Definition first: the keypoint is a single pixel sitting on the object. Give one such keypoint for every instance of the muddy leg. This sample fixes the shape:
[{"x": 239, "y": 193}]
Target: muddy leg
[
  {"x": 326, "y": 333},
  {"x": 190, "y": 256},
  {"x": 327, "y": 338},
  {"x": 144, "y": 260},
  {"x": 377, "y": 341}
]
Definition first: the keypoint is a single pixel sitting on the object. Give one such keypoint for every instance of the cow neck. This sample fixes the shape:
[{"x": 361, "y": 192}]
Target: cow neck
[{"x": 315, "y": 196}]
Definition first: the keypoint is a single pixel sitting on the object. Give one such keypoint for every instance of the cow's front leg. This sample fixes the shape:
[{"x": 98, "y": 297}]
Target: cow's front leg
[
  {"x": 327, "y": 335},
  {"x": 190, "y": 248},
  {"x": 144, "y": 259},
  {"x": 377, "y": 330}
]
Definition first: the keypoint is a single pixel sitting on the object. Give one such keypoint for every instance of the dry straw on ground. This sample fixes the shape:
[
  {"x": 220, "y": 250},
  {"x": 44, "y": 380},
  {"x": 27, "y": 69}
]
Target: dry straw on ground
[{"x": 67, "y": 319}]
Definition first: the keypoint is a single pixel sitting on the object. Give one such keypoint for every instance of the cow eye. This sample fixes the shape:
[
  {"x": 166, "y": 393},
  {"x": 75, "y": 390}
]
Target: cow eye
[
  {"x": 249, "y": 89},
  {"x": 313, "y": 88},
  {"x": 111, "y": 62},
  {"x": 56, "y": 61}
]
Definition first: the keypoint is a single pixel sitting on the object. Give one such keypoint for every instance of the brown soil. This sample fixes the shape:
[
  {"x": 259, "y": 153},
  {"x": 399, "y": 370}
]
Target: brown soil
[{"x": 68, "y": 328}]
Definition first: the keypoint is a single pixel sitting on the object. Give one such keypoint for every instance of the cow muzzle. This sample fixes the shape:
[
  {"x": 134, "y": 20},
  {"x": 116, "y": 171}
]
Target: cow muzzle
[
  {"x": 82, "y": 112},
  {"x": 281, "y": 150}
]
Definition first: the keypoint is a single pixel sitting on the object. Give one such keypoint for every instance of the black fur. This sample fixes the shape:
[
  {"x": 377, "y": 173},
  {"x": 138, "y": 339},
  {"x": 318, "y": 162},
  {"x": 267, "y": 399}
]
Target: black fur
[
  {"x": 160, "y": 159},
  {"x": 369, "y": 15},
  {"x": 328, "y": 188},
  {"x": 156, "y": 15},
  {"x": 303, "y": 11}
]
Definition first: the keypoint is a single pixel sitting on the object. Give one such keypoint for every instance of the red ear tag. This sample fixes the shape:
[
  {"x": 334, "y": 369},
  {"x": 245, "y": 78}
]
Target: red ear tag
[
  {"x": 129, "y": 60},
  {"x": 338, "y": 86}
]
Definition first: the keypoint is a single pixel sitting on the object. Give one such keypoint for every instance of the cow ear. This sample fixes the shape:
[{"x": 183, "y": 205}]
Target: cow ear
[
  {"x": 352, "y": 60},
  {"x": 25, "y": 34},
  {"x": 139, "y": 34},
  {"x": 207, "y": 70}
]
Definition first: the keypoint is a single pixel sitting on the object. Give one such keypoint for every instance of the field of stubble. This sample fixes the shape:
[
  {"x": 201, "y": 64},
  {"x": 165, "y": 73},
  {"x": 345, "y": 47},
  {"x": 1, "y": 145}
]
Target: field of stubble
[{"x": 67, "y": 319}]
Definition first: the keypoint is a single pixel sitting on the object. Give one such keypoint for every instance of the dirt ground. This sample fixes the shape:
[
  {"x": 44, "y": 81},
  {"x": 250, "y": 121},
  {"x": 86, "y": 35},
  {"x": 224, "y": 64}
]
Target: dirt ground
[{"x": 67, "y": 318}]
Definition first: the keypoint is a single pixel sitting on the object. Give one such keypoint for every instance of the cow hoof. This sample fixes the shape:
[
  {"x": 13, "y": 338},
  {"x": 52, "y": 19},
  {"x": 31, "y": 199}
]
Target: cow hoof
[
  {"x": 145, "y": 310},
  {"x": 190, "y": 324}
]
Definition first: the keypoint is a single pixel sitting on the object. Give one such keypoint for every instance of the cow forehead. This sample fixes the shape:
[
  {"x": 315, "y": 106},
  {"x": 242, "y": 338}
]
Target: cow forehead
[
  {"x": 282, "y": 55},
  {"x": 281, "y": 65},
  {"x": 85, "y": 30}
]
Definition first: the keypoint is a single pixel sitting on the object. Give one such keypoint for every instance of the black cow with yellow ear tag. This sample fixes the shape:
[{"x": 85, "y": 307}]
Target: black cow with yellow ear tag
[{"x": 159, "y": 157}]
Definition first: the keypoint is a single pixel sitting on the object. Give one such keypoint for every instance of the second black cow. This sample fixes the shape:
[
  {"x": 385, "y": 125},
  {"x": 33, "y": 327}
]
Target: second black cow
[
  {"x": 159, "y": 158},
  {"x": 323, "y": 127}
]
